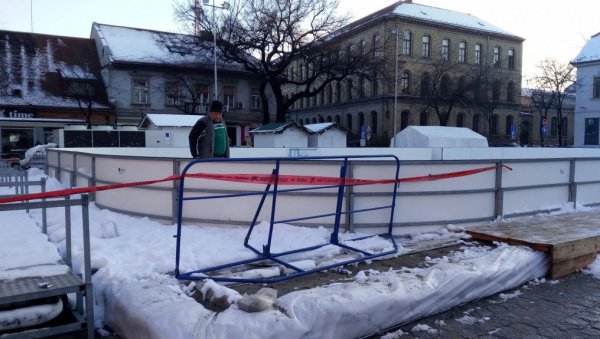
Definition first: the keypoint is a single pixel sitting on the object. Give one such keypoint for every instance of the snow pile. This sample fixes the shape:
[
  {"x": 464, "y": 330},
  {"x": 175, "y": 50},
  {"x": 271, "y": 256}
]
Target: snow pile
[{"x": 137, "y": 295}]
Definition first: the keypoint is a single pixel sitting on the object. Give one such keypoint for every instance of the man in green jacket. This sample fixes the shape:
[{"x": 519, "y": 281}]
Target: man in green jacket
[{"x": 208, "y": 138}]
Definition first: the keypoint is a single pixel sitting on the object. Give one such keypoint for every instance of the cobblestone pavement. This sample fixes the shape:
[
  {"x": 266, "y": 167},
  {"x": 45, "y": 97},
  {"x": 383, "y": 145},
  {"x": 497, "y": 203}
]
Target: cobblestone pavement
[{"x": 567, "y": 307}]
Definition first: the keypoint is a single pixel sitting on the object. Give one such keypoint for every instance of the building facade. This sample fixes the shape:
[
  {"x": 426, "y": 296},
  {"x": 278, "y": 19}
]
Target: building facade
[
  {"x": 587, "y": 103},
  {"x": 427, "y": 55},
  {"x": 47, "y": 82},
  {"x": 539, "y": 128},
  {"x": 156, "y": 72}
]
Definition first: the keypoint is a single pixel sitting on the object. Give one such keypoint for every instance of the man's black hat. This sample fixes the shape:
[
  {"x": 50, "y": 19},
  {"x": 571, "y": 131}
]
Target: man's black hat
[{"x": 216, "y": 106}]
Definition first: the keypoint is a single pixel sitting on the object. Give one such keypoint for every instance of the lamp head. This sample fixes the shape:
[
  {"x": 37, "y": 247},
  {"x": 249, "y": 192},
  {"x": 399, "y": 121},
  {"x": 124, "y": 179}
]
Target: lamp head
[{"x": 225, "y": 5}]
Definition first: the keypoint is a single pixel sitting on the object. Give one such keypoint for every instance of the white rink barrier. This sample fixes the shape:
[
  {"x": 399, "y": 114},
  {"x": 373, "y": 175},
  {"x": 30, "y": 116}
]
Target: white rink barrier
[{"x": 541, "y": 180}]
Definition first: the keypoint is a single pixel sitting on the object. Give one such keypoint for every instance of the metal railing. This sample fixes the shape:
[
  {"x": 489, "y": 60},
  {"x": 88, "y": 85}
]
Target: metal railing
[{"x": 273, "y": 190}]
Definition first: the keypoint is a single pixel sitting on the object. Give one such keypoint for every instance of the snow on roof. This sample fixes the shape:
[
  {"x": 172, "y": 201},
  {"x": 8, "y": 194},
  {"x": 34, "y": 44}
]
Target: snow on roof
[
  {"x": 169, "y": 120},
  {"x": 39, "y": 61},
  {"x": 274, "y": 128},
  {"x": 445, "y": 16},
  {"x": 590, "y": 51},
  {"x": 438, "y": 136},
  {"x": 428, "y": 14},
  {"x": 320, "y": 127},
  {"x": 137, "y": 45}
]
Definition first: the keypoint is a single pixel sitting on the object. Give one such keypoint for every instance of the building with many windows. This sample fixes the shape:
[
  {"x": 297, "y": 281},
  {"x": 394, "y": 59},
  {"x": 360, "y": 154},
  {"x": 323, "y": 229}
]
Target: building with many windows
[
  {"x": 439, "y": 67},
  {"x": 538, "y": 124},
  {"x": 148, "y": 71},
  {"x": 47, "y": 82},
  {"x": 587, "y": 103}
]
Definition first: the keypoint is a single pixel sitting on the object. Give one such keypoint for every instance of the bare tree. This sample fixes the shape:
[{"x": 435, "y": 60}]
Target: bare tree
[
  {"x": 542, "y": 101},
  {"x": 444, "y": 85},
  {"x": 269, "y": 37},
  {"x": 554, "y": 79},
  {"x": 81, "y": 84}
]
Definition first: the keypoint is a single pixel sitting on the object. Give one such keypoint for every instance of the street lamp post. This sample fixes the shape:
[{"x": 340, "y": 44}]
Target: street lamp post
[
  {"x": 395, "y": 31},
  {"x": 225, "y": 6}
]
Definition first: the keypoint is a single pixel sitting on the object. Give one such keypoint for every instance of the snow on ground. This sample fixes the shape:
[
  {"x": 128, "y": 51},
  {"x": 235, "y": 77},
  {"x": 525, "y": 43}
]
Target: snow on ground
[{"x": 137, "y": 296}]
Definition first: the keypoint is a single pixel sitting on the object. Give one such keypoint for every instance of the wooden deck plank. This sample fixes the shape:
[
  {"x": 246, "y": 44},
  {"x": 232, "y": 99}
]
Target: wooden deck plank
[{"x": 572, "y": 240}]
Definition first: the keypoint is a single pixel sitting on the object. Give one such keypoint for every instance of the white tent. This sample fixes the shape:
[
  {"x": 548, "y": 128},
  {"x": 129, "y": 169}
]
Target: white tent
[{"x": 438, "y": 136}]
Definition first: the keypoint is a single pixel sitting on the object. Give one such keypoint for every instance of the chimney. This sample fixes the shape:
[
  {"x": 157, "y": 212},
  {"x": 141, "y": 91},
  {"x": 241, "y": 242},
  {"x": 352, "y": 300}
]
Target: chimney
[{"x": 408, "y": 1}]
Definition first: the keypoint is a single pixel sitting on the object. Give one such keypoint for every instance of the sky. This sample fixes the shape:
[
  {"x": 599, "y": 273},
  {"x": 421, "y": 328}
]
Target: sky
[
  {"x": 136, "y": 295},
  {"x": 551, "y": 29}
]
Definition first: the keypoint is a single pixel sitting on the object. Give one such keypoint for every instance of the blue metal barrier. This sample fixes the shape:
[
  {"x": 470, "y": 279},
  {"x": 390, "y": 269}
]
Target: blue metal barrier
[{"x": 272, "y": 189}]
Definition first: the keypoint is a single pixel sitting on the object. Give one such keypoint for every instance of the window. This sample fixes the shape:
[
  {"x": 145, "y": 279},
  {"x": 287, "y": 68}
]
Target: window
[
  {"x": 596, "y": 94},
  {"x": 446, "y": 49},
  {"x": 564, "y": 127},
  {"x": 591, "y": 131},
  {"x": 361, "y": 120},
  {"x": 363, "y": 47},
  {"x": 321, "y": 118},
  {"x": 375, "y": 85},
  {"x": 321, "y": 97},
  {"x": 377, "y": 51},
  {"x": 374, "y": 122},
  {"x": 229, "y": 96},
  {"x": 75, "y": 88},
  {"x": 293, "y": 73},
  {"x": 201, "y": 92},
  {"x": 405, "y": 83},
  {"x": 329, "y": 118},
  {"x": 423, "y": 118},
  {"x": 511, "y": 58},
  {"x": 172, "y": 93},
  {"x": 302, "y": 72},
  {"x": 554, "y": 127},
  {"x": 406, "y": 43},
  {"x": 509, "y": 125},
  {"x": 496, "y": 90},
  {"x": 462, "y": 51},
  {"x": 404, "y": 119},
  {"x": 361, "y": 87},
  {"x": 349, "y": 89},
  {"x": 425, "y": 50},
  {"x": 477, "y": 60},
  {"x": 338, "y": 91},
  {"x": 496, "y": 56},
  {"x": 351, "y": 50},
  {"x": 337, "y": 119},
  {"x": 255, "y": 102},
  {"x": 476, "y": 123},
  {"x": 330, "y": 93},
  {"x": 349, "y": 122},
  {"x": 425, "y": 84},
  {"x": 494, "y": 126},
  {"x": 140, "y": 92},
  {"x": 445, "y": 86},
  {"x": 510, "y": 92}
]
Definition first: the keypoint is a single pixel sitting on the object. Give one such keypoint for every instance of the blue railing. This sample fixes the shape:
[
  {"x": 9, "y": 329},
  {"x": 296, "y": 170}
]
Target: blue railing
[{"x": 272, "y": 189}]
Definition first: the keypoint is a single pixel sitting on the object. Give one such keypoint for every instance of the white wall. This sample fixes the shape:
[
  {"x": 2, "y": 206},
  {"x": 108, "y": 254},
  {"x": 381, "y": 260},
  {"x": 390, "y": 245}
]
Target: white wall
[
  {"x": 539, "y": 179},
  {"x": 330, "y": 138},
  {"x": 585, "y": 105}
]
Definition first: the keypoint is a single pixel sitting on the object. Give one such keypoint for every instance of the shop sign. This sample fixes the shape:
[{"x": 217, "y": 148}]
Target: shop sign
[{"x": 17, "y": 115}]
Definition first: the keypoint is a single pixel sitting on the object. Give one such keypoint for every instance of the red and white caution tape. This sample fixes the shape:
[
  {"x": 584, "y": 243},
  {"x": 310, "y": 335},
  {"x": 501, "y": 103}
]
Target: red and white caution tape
[{"x": 282, "y": 179}]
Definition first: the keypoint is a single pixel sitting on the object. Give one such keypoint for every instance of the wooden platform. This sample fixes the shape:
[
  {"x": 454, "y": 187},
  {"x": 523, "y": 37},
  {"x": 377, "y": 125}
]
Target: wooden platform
[{"x": 571, "y": 240}]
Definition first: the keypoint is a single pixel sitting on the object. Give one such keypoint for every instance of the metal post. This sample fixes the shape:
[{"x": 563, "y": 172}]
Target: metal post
[
  {"x": 396, "y": 84},
  {"x": 214, "y": 48}
]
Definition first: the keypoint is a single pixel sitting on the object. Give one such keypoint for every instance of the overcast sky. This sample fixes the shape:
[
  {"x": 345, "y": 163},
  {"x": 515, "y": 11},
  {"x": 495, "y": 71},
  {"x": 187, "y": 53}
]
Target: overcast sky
[{"x": 551, "y": 28}]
